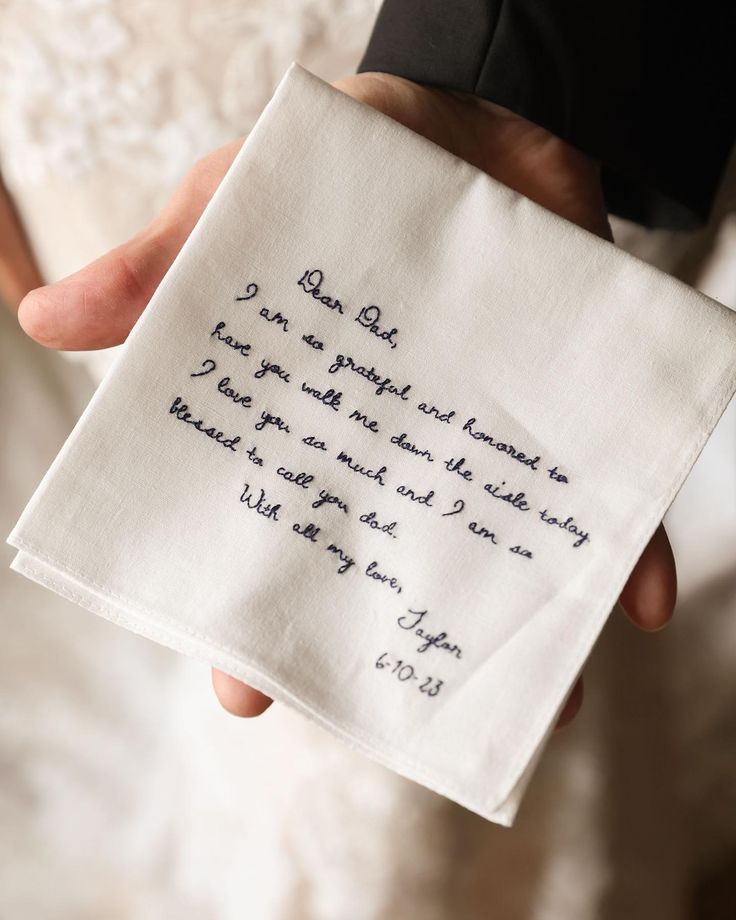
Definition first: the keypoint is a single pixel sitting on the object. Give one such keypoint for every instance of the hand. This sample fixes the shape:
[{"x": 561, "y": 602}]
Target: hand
[{"x": 97, "y": 306}]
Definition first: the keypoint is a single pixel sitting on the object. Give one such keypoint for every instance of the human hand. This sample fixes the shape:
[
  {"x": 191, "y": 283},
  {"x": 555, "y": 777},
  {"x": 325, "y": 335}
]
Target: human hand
[{"x": 97, "y": 306}]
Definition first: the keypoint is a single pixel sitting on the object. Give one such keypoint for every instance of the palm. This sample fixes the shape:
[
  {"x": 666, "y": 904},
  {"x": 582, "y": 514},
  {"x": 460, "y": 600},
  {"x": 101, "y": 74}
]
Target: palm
[{"x": 97, "y": 306}]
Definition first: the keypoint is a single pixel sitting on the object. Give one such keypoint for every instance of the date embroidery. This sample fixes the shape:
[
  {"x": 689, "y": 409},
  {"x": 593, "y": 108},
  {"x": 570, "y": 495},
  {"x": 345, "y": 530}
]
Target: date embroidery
[{"x": 405, "y": 672}]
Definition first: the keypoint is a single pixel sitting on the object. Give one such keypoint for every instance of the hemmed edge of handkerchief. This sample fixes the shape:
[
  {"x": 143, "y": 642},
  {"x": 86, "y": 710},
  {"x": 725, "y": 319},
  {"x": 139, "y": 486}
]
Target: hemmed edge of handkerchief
[
  {"x": 503, "y": 806},
  {"x": 204, "y": 649},
  {"x": 521, "y": 770}
]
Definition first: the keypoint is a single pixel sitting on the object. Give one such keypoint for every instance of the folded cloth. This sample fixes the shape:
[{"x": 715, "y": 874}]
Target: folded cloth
[{"x": 386, "y": 444}]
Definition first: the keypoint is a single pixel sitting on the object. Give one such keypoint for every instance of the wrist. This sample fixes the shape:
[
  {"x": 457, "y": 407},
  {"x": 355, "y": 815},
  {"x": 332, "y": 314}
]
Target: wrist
[{"x": 517, "y": 152}]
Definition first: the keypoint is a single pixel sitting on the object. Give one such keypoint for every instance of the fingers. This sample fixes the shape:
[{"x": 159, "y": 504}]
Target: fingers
[
  {"x": 241, "y": 700},
  {"x": 97, "y": 306},
  {"x": 651, "y": 591},
  {"x": 648, "y": 599},
  {"x": 238, "y": 698},
  {"x": 572, "y": 705}
]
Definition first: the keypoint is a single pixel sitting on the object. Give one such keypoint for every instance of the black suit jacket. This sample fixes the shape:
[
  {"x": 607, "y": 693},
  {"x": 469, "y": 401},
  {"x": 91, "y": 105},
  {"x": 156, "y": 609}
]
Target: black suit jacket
[{"x": 645, "y": 86}]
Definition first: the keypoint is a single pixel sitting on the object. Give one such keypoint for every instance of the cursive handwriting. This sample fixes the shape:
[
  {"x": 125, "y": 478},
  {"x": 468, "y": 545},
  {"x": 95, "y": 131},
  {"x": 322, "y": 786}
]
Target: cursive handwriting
[
  {"x": 356, "y": 467},
  {"x": 369, "y": 317},
  {"x": 413, "y": 620},
  {"x": 268, "y": 367},
  {"x": 299, "y": 479},
  {"x": 274, "y": 317},
  {"x": 515, "y": 499},
  {"x": 308, "y": 531},
  {"x": 372, "y": 521},
  {"x": 250, "y": 292},
  {"x": 224, "y": 387},
  {"x": 268, "y": 419},
  {"x": 400, "y": 441},
  {"x": 181, "y": 410},
  {"x": 345, "y": 561},
  {"x": 409, "y": 492},
  {"x": 313, "y": 343},
  {"x": 313, "y": 441},
  {"x": 509, "y": 449},
  {"x": 267, "y": 510},
  {"x": 311, "y": 283},
  {"x": 369, "y": 423},
  {"x": 242, "y": 347},
  {"x": 383, "y": 384},
  {"x": 330, "y": 398},
  {"x": 372, "y": 571},
  {"x": 326, "y": 498},
  {"x": 434, "y": 412},
  {"x": 568, "y": 524}
]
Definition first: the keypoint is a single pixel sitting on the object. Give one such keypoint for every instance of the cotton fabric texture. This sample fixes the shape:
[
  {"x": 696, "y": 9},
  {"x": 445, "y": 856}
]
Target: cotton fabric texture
[{"x": 567, "y": 354}]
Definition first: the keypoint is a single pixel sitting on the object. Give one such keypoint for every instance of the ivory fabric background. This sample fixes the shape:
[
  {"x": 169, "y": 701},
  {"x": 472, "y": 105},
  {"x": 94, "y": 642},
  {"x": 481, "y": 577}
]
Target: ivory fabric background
[
  {"x": 274, "y": 818},
  {"x": 612, "y": 371}
]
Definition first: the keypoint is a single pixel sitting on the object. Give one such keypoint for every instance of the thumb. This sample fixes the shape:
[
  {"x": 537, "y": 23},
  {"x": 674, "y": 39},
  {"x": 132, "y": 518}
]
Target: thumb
[{"x": 97, "y": 306}]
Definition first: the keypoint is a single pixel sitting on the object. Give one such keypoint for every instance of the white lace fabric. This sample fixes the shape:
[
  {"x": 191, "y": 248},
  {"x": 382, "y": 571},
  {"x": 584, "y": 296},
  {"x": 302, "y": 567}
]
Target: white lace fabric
[{"x": 111, "y": 101}]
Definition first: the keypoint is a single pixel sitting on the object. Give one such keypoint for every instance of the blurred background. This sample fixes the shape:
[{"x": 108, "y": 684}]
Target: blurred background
[{"x": 126, "y": 792}]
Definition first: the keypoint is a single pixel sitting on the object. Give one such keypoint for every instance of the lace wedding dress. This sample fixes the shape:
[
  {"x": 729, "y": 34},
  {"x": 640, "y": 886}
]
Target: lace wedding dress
[{"x": 126, "y": 792}]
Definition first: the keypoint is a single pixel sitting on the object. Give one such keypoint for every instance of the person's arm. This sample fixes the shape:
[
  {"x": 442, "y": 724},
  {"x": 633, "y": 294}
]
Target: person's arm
[
  {"x": 19, "y": 273},
  {"x": 645, "y": 87}
]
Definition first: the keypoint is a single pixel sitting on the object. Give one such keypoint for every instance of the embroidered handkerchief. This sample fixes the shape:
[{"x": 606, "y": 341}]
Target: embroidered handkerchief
[{"x": 385, "y": 444}]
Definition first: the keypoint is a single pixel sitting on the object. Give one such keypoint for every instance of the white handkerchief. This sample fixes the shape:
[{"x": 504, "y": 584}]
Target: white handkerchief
[{"x": 386, "y": 444}]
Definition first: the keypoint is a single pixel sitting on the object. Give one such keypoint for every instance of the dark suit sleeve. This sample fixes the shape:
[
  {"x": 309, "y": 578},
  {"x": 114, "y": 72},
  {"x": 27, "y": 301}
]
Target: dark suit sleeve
[{"x": 646, "y": 87}]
